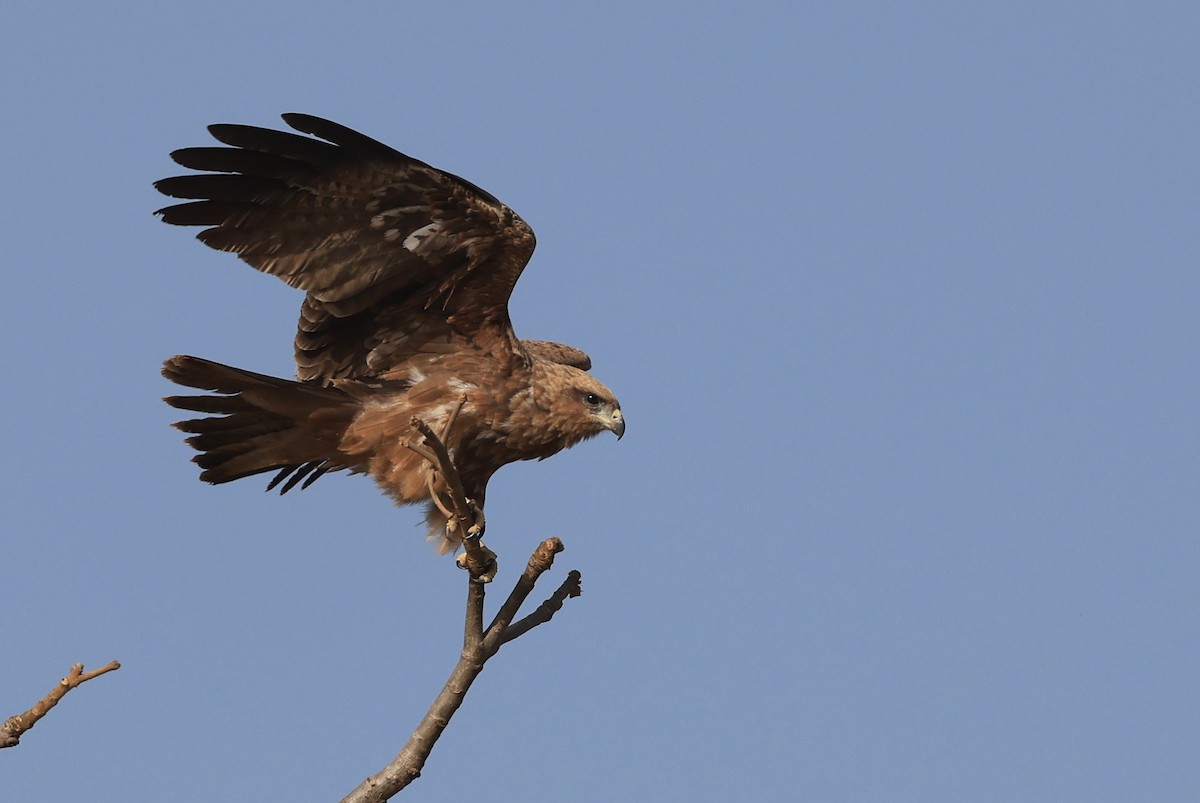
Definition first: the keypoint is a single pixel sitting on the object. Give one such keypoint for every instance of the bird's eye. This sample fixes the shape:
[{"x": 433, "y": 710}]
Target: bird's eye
[{"x": 592, "y": 399}]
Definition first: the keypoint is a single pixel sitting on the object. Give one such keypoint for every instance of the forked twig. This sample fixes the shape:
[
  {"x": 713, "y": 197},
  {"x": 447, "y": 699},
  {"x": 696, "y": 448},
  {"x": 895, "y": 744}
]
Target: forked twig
[
  {"x": 571, "y": 587},
  {"x": 478, "y": 647},
  {"x": 15, "y": 726}
]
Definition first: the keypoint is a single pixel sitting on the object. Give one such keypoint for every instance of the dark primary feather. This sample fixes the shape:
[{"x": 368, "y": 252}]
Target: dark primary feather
[{"x": 396, "y": 257}]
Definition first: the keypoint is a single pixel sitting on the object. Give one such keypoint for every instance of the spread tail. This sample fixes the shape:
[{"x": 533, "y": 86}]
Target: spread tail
[{"x": 260, "y": 423}]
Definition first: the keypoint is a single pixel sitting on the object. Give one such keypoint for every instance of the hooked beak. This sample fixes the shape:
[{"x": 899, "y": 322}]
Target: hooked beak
[{"x": 617, "y": 423}]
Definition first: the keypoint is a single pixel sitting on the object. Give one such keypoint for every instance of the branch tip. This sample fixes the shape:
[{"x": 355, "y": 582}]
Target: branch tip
[{"x": 15, "y": 726}]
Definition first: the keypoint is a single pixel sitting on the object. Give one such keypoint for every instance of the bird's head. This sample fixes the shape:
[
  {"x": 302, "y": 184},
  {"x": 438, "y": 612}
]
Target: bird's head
[
  {"x": 600, "y": 406},
  {"x": 578, "y": 406}
]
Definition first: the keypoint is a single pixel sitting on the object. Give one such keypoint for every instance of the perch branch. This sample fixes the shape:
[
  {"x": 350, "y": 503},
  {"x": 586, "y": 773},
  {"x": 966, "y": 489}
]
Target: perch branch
[
  {"x": 478, "y": 647},
  {"x": 473, "y": 628},
  {"x": 15, "y": 726}
]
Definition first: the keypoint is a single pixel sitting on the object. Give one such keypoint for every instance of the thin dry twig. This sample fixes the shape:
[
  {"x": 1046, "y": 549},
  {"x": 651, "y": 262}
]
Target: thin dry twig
[
  {"x": 539, "y": 562},
  {"x": 434, "y": 447},
  {"x": 453, "y": 418},
  {"x": 571, "y": 587},
  {"x": 15, "y": 726}
]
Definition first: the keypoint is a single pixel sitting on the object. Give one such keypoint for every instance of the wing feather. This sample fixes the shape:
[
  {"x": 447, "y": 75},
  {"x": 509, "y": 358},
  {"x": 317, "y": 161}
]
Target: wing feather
[{"x": 385, "y": 246}]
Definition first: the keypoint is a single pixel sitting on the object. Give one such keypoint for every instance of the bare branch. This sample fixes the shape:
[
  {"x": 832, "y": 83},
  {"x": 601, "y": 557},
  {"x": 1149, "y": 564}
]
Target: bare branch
[
  {"x": 473, "y": 629},
  {"x": 478, "y": 648},
  {"x": 422, "y": 451},
  {"x": 571, "y": 587},
  {"x": 539, "y": 562},
  {"x": 15, "y": 726},
  {"x": 406, "y": 766}
]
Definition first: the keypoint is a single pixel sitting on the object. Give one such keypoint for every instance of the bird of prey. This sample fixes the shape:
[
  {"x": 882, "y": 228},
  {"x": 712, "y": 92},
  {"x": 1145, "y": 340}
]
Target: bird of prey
[{"x": 407, "y": 271}]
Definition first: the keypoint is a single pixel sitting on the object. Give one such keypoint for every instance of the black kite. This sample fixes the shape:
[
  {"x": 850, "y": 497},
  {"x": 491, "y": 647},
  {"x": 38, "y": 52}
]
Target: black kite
[{"x": 407, "y": 272}]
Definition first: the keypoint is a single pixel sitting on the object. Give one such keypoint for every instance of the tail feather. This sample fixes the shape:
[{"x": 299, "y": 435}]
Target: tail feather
[
  {"x": 209, "y": 404},
  {"x": 261, "y": 423},
  {"x": 294, "y": 475}
]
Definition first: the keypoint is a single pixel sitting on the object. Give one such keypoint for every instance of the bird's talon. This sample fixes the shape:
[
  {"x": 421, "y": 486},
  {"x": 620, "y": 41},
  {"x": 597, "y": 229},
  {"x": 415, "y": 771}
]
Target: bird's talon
[{"x": 486, "y": 573}]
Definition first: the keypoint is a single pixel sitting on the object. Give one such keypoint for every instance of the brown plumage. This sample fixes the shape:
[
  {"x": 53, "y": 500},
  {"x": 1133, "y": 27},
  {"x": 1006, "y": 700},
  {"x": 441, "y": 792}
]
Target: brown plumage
[{"x": 407, "y": 272}]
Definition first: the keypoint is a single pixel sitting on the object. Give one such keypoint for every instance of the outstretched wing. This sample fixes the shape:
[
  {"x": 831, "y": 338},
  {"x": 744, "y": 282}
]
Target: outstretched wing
[{"x": 397, "y": 258}]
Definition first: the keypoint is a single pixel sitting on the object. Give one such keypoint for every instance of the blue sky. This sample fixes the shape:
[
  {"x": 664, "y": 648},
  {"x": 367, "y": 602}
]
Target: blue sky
[{"x": 900, "y": 304}]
